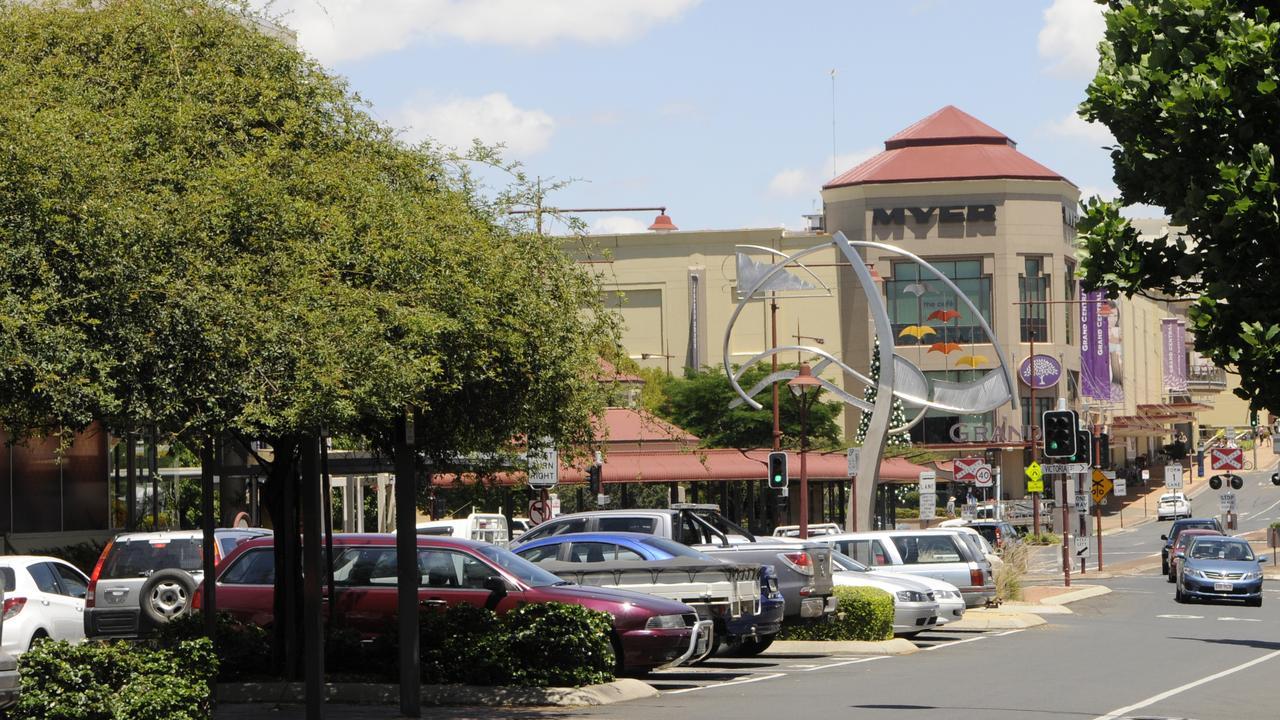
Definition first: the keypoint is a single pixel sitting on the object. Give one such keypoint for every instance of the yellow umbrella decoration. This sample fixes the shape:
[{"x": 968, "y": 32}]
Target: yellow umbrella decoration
[
  {"x": 916, "y": 331},
  {"x": 972, "y": 361}
]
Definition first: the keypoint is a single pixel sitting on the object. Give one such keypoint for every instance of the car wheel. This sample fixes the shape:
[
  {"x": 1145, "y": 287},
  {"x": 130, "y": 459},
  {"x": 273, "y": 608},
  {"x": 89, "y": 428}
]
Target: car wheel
[
  {"x": 1164, "y": 568},
  {"x": 1253, "y": 602},
  {"x": 750, "y": 647},
  {"x": 36, "y": 638},
  {"x": 166, "y": 595},
  {"x": 1178, "y": 597}
]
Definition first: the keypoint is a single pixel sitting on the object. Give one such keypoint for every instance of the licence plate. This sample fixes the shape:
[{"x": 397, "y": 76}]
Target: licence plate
[{"x": 1222, "y": 587}]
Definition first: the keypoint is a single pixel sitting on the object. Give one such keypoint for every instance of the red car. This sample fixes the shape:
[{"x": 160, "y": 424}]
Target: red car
[
  {"x": 651, "y": 632},
  {"x": 1179, "y": 548}
]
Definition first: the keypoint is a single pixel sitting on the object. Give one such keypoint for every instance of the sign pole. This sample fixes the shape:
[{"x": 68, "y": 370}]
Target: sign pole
[{"x": 1066, "y": 535}]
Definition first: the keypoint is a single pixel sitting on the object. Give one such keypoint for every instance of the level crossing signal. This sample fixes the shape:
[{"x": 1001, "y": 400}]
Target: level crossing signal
[
  {"x": 778, "y": 470},
  {"x": 1060, "y": 438}
]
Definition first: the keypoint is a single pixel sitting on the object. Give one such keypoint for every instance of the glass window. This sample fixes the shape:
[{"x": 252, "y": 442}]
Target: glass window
[
  {"x": 926, "y": 549},
  {"x": 529, "y": 573},
  {"x": 867, "y": 552},
  {"x": 1071, "y": 315},
  {"x": 10, "y": 582},
  {"x": 674, "y": 549},
  {"x": 592, "y": 552},
  {"x": 625, "y": 553},
  {"x": 44, "y": 577},
  {"x": 646, "y": 525},
  {"x": 73, "y": 583},
  {"x": 911, "y": 300},
  {"x": 556, "y": 527},
  {"x": 451, "y": 568},
  {"x": 365, "y": 566},
  {"x": 542, "y": 553},
  {"x": 691, "y": 533},
  {"x": 1033, "y": 285},
  {"x": 139, "y": 558},
  {"x": 255, "y": 567}
]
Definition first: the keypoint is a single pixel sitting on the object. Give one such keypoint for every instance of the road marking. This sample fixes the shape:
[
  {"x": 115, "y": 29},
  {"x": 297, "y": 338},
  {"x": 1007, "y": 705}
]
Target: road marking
[
  {"x": 1009, "y": 632},
  {"x": 1120, "y": 712},
  {"x": 956, "y": 642},
  {"x": 802, "y": 667},
  {"x": 726, "y": 684},
  {"x": 1236, "y": 619},
  {"x": 1267, "y": 509},
  {"x": 847, "y": 662},
  {"x": 1182, "y": 617}
]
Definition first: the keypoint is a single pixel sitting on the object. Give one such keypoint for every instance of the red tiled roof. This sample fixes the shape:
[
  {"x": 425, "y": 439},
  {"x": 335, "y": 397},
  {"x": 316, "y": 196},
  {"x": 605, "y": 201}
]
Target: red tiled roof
[
  {"x": 629, "y": 425},
  {"x": 609, "y": 373},
  {"x": 947, "y": 145}
]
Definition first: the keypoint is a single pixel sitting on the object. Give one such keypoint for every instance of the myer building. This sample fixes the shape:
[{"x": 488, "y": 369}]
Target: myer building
[{"x": 958, "y": 194}]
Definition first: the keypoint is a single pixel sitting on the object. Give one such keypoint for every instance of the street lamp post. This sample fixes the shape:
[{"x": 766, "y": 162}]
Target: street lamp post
[{"x": 800, "y": 385}]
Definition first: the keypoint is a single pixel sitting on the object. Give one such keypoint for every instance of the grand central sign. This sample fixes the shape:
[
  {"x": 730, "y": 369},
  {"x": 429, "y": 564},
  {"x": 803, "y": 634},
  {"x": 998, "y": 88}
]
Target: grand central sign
[{"x": 926, "y": 215}]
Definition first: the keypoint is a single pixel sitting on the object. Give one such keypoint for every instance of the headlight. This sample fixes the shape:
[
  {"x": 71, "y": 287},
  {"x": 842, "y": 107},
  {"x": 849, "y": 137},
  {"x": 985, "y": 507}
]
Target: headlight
[
  {"x": 910, "y": 596},
  {"x": 1252, "y": 575},
  {"x": 664, "y": 622},
  {"x": 1193, "y": 573},
  {"x": 952, "y": 594}
]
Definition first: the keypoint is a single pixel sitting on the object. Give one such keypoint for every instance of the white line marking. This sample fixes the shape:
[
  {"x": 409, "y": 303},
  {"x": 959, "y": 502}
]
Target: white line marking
[
  {"x": 956, "y": 642},
  {"x": 1119, "y": 712},
  {"x": 725, "y": 684},
  {"x": 1267, "y": 509},
  {"x": 847, "y": 662},
  {"x": 1182, "y": 617},
  {"x": 1236, "y": 619},
  {"x": 1009, "y": 632}
]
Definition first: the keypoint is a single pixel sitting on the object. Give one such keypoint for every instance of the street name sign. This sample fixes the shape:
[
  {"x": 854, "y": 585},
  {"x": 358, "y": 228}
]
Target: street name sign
[
  {"x": 1173, "y": 476},
  {"x": 1065, "y": 467},
  {"x": 1230, "y": 458}
]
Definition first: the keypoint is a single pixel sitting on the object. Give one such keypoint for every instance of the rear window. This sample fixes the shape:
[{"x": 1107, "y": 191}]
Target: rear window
[
  {"x": 6, "y": 574},
  {"x": 644, "y": 525},
  {"x": 928, "y": 549},
  {"x": 139, "y": 558},
  {"x": 675, "y": 549}
]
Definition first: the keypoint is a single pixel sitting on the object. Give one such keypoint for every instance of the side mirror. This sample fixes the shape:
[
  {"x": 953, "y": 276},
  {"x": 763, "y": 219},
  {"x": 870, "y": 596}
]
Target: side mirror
[
  {"x": 496, "y": 585},
  {"x": 1261, "y": 559},
  {"x": 1180, "y": 555},
  {"x": 1164, "y": 537}
]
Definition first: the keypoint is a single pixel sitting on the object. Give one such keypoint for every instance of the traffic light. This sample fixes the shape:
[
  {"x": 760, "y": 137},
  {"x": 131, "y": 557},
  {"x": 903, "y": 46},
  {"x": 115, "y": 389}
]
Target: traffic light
[
  {"x": 1084, "y": 448},
  {"x": 1104, "y": 452},
  {"x": 778, "y": 470},
  {"x": 1059, "y": 433},
  {"x": 594, "y": 474},
  {"x": 1275, "y": 478},
  {"x": 1237, "y": 482},
  {"x": 1215, "y": 482},
  {"x": 1253, "y": 420}
]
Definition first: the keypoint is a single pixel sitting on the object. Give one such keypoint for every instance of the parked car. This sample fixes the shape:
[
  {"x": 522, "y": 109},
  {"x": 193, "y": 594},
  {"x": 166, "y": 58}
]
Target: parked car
[
  {"x": 1002, "y": 535},
  {"x": 44, "y": 599},
  {"x": 632, "y": 560},
  {"x": 940, "y": 554},
  {"x": 914, "y": 607},
  {"x": 976, "y": 542},
  {"x": 649, "y": 632},
  {"x": 815, "y": 529},
  {"x": 8, "y": 668},
  {"x": 486, "y": 527},
  {"x": 803, "y": 566},
  {"x": 1178, "y": 526},
  {"x": 1172, "y": 506},
  {"x": 145, "y": 579},
  {"x": 1219, "y": 568},
  {"x": 519, "y": 526},
  {"x": 1179, "y": 549}
]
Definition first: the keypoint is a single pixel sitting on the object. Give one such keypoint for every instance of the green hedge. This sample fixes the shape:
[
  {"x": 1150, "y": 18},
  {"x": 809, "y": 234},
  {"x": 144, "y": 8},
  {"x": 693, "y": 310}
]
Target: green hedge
[
  {"x": 861, "y": 614},
  {"x": 116, "y": 681}
]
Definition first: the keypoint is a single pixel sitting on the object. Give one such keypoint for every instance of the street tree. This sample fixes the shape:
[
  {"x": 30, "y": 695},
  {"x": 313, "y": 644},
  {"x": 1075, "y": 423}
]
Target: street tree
[{"x": 1191, "y": 91}]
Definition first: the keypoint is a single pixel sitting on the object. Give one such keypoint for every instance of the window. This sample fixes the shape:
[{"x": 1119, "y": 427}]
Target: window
[
  {"x": 560, "y": 527},
  {"x": 927, "y": 549},
  {"x": 73, "y": 583},
  {"x": 1044, "y": 403},
  {"x": 449, "y": 568},
  {"x": 1033, "y": 285},
  {"x": 10, "y": 582},
  {"x": 644, "y": 525},
  {"x": 255, "y": 567},
  {"x": 139, "y": 558},
  {"x": 542, "y": 553},
  {"x": 592, "y": 552},
  {"x": 673, "y": 548},
  {"x": 911, "y": 299},
  {"x": 1072, "y": 314},
  {"x": 365, "y": 566},
  {"x": 46, "y": 582},
  {"x": 867, "y": 552}
]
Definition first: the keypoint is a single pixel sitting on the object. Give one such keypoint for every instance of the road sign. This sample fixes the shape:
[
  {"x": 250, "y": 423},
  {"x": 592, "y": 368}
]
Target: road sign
[
  {"x": 928, "y": 482},
  {"x": 1034, "y": 472},
  {"x": 1173, "y": 476},
  {"x": 1230, "y": 458},
  {"x": 1082, "y": 545},
  {"x": 1101, "y": 486},
  {"x": 968, "y": 512},
  {"x": 544, "y": 466},
  {"x": 538, "y": 512},
  {"x": 985, "y": 478},
  {"x": 1065, "y": 467},
  {"x": 1122, "y": 486},
  {"x": 1227, "y": 502},
  {"x": 966, "y": 468},
  {"x": 928, "y": 495},
  {"x": 854, "y": 455}
]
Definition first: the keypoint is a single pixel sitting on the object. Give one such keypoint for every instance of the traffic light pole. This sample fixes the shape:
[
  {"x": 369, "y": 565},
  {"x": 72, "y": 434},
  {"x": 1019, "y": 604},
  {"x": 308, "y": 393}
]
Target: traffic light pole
[{"x": 1035, "y": 443}]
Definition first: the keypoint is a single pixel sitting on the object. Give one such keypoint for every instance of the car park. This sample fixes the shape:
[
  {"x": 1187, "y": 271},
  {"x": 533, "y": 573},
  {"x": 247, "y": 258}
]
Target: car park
[
  {"x": 1210, "y": 523},
  {"x": 44, "y": 599},
  {"x": 1179, "y": 549},
  {"x": 145, "y": 579},
  {"x": 1219, "y": 568},
  {"x": 914, "y": 607},
  {"x": 940, "y": 554},
  {"x": 649, "y": 632},
  {"x": 643, "y": 563},
  {"x": 1172, "y": 506}
]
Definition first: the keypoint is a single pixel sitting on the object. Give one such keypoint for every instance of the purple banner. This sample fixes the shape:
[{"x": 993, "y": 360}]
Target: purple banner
[
  {"x": 1095, "y": 360},
  {"x": 1168, "y": 341},
  {"x": 1180, "y": 342}
]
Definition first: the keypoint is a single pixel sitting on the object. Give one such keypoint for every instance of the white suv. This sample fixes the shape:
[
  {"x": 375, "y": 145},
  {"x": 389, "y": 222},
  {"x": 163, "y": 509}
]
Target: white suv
[{"x": 1173, "y": 506}]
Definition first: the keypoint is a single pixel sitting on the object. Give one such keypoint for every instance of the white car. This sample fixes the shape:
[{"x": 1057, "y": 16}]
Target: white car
[
  {"x": 914, "y": 607},
  {"x": 43, "y": 598},
  {"x": 950, "y": 602},
  {"x": 1173, "y": 506}
]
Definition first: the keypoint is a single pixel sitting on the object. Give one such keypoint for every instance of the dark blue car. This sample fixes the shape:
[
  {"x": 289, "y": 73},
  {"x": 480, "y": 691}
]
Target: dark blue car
[
  {"x": 1219, "y": 568},
  {"x": 748, "y": 634}
]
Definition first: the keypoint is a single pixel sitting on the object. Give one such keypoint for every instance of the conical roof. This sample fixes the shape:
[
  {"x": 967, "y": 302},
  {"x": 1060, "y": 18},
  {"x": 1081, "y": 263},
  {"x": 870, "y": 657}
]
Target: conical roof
[{"x": 950, "y": 144}]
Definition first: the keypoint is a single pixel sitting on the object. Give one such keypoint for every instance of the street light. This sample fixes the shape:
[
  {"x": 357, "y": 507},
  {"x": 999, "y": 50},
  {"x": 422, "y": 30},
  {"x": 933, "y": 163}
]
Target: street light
[{"x": 800, "y": 386}]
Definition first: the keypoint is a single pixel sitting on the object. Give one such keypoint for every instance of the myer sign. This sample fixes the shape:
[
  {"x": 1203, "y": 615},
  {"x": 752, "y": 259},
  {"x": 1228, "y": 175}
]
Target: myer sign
[{"x": 926, "y": 215}]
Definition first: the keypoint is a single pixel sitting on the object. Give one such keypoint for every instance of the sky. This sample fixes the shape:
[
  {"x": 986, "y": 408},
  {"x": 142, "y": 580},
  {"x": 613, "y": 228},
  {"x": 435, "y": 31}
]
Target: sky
[{"x": 727, "y": 112}]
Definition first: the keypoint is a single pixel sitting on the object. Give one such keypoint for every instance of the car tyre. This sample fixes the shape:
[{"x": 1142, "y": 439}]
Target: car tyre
[
  {"x": 37, "y": 637},
  {"x": 1164, "y": 567},
  {"x": 166, "y": 595},
  {"x": 1253, "y": 602},
  {"x": 1178, "y": 597},
  {"x": 750, "y": 647}
]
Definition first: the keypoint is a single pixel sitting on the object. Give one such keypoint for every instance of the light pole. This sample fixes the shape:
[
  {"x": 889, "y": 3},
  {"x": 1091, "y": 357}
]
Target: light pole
[{"x": 800, "y": 386}]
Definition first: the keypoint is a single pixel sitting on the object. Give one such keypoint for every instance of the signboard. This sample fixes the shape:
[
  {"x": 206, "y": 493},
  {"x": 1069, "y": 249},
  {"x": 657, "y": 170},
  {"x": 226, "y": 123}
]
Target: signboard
[
  {"x": 538, "y": 512},
  {"x": 1082, "y": 503},
  {"x": 1173, "y": 476},
  {"x": 1082, "y": 545},
  {"x": 1121, "y": 486},
  {"x": 1231, "y": 458},
  {"x": 966, "y": 468},
  {"x": 985, "y": 477},
  {"x": 544, "y": 466},
  {"x": 854, "y": 455},
  {"x": 968, "y": 512},
  {"x": 1101, "y": 486},
  {"x": 928, "y": 495},
  {"x": 553, "y": 501},
  {"x": 1065, "y": 467},
  {"x": 928, "y": 482},
  {"x": 1226, "y": 502},
  {"x": 1040, "y": 371},
  {"x": 1034, "y": 475}
]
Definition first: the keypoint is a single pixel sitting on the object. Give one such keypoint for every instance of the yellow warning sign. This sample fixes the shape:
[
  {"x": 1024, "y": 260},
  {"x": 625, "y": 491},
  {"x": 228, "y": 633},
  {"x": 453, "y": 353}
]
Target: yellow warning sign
[
  {"x": 1035, "y": 477},
  {"x": 1101, "y": 486}
]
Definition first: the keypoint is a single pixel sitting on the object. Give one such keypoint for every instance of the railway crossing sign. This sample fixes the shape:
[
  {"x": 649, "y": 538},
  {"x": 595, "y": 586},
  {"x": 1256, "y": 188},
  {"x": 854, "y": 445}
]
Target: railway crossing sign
[
  {"x": 1101, "y": 486},
  {"x": 967, "y": 468},
  {"x": 1229, "y": 458}
]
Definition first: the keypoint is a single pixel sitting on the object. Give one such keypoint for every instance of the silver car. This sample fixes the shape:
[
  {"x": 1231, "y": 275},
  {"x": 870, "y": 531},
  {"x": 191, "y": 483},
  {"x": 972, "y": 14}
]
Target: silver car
[
  {"x": 941, "y": 554},
  {"x": 914, "y": 607}
]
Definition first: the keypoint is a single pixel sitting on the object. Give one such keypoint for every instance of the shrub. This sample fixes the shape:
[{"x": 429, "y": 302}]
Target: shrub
[
  {"x": 553, "y": 644},
  {"x": 861, "y": 614},
  {"x": 1017, "y": 560},
  {"x": 243, "y": 649},
  {"x": 1044, "y": 538},
  {"x": 116, "y": 681}
]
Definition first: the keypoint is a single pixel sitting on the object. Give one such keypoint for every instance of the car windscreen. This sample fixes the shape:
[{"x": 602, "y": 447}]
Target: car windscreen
[
  {"x": 140, "y": 558},
  {"x": 675, "y": 549},
  {"x": 1212, "y": 548},
  {"x": 530, "y": 574},
  {"x": 9, "y": 582}
]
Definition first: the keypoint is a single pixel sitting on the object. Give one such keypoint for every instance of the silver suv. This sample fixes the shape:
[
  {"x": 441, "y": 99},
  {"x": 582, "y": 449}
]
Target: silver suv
[{"x": 146, "y": 579}]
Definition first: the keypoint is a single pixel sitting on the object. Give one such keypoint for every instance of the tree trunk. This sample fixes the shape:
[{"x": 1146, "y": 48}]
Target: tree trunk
[{"x": 281, "y": 494}]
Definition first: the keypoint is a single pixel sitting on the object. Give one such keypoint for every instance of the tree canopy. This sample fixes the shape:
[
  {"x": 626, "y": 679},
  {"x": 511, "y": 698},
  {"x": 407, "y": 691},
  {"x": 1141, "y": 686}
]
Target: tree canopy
[
  {"x": 1191, "y": 91},
  {"x": 203, "y": 229}
]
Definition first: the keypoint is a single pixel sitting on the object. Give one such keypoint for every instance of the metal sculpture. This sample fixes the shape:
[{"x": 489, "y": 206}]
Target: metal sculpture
[{"x": 899, "y": 377}]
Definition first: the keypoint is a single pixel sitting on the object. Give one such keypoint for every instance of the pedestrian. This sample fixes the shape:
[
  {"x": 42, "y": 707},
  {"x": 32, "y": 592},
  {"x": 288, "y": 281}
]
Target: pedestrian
[{"x": 951, "y": 506}]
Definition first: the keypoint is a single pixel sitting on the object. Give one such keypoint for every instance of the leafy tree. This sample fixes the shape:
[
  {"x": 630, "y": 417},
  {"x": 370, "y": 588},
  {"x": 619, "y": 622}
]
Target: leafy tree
[
  {"x": 699, "y": 403},
  {"x": 1191, "y": 91},
  {"x": 898, "y": 416}
]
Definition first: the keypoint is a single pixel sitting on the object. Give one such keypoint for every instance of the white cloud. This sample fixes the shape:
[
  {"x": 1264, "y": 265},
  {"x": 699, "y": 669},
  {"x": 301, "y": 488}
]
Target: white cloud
[
  {"x": 798, "y": 182},
  {"x": 1077, "y": 128},
  {"x": 1069, "y": 38},
  {"x": 335, "y": 30},
  {"x": 618, "y": 225},
  {"x": 492, "y": 118},
  {"x": 1108, "y": 192}
]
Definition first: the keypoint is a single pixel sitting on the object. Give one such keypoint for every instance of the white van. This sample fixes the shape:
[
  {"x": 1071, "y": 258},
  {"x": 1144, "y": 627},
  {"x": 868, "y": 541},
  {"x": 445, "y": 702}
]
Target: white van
[{"x": 487, "y": 527}]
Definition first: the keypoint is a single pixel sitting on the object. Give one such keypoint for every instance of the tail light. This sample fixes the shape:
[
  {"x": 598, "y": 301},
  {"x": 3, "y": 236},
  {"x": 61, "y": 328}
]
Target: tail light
[
  {"x": 13, "y": 606},
  {"x": 975, "y": 577},
  {"x": 196, "y": 595},
  {"x": 89, "y": 592},
  {"x": 798, "y": 561}
]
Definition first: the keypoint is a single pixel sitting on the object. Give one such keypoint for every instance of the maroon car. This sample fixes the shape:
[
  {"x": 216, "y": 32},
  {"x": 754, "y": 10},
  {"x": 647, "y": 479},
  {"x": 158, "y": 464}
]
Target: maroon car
[{"x": 651, "y": 632}]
